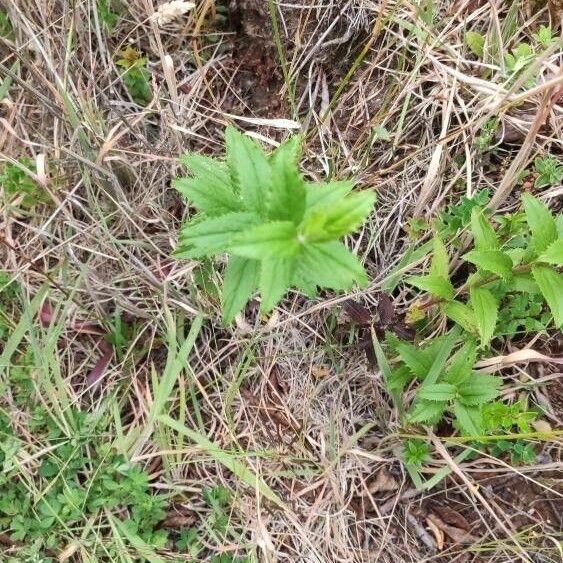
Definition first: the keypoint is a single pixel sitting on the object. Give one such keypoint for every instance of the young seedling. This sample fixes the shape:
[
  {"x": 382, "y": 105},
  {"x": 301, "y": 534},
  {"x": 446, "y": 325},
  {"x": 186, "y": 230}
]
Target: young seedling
[{"x": 279, "y": 231}]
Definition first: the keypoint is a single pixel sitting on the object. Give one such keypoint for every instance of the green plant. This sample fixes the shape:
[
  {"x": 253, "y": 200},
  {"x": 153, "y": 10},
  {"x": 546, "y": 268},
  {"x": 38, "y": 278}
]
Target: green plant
[
  {"x": 505, "y": 261},
  {"x": 457, "y": 216},
  {"x": 454, "y": 389},
  {"x": 6, "y": 29},
  {"x": 136, "y": 77},
  {"x": 486, "y": 135},
  {"x": 416, "y": 453},
  {"x": 549, "y": 171},
  {"x": 76, "y": 481},
  {"x": 109, "y": 12},
  {"x": 279, "y": 231},
  {"x": 16, "y": 183}
]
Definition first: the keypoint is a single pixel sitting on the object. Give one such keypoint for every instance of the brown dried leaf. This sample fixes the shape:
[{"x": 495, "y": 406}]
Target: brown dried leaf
[
  {"x": 383, "y": 482},
  {"x": 357, "y": 312},
  {"x": 518, "y": 357},
  {"x": 438, "y": 534},
  {"x": 386, "y": 310},
  {"x": 320, "y": 372},
  {"x": 450, "y": 516},
  {"x": 456, "y": 534}
]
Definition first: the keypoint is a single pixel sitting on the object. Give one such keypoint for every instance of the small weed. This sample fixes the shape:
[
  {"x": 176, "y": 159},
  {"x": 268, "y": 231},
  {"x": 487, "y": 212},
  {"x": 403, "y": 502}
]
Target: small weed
[
  {"x": 109, "y": 12},
  {"x": 136, "y": 77},
  {"x": 16, "y": 183},
  {"x": 6, "y": 29},
  {"x": 458, "y": 215},
  {"x": 484, "y": 140},
  {"x": 549, "y": 171},
  {"x": 280, "y": 231},
  {"x": 416, "y": 453}
]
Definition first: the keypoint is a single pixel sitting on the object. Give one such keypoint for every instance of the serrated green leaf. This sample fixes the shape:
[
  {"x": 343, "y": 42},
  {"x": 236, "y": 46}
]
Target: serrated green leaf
[
  {"x": 485, "y": 307},
  {"x": 469, "y": 419},
  {"x": 212, "y": 199},
  {"x": 275, "y": 279},
  {"x": 417, "y": 360},
  {"x": 438, "y": 286},
  {"x": 541, "y": 222},
  {"x": 437, "y": 392},
  {"x": 305, "y": 286},
  {"x": 277, "y": 239},
  {"x": 553, "y": 254},
  {"x": 330, "y": 264},
  {"x": 287, "y": 200},
  {"x": 211, "y": 171},
  {"x": 427, "y": 411},
  {"x": 461, "y": 314},
  {"x": 250, "y": 170},
  {"x": 399, "y": 378},
  {"x": 550, "y": 283},
  {"x": 323, "y": 195},
  {"x": 524, "y": 282},
  {"x": 240, "y": 282},
  {"x": 484, "y": 236},
  {"x": 440, "y": 259},
  {"x": 494, "y": 261},
  {"x": 462, "y": 363},
  {"x": 475, "y": 42},
  {"x": 212, "y": 236},
  {"x": 479, "y": 389},
  {"x": 340, "y": 218}
]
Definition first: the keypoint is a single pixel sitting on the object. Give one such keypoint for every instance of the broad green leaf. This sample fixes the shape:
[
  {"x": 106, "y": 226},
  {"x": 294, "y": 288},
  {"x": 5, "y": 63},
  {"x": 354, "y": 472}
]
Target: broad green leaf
[
  {"x": 479, "y": 389},
  {"x": 440, "y": 260},
  {"x": 484, "y": 236},
  {"x": 323, "y": 195},
  {"x": 330, "y": 264},
  {"x": 418, "y": 359},
  {"x": 426, "y": 411},
  {"x": 461, "y": 314},
  {"x": 524, "y": 282},
  {"x": 462, "y": 363},
  {"x": 469, "y": 419},
  {"x": 211, "y": 171},
  {"x": 494, "y": 261},
  {"x": 212, "y": 199},
  {"x": 234, "y": 463},
  {"x": 399, "y": 378},
  {"x": 553, "y": 254},
  {"x": 485, "y": 306},
  {"x": 438, "y": 286},
  {"x": 340, "y": 218},
  {"x": 275, "y": 279},
  {"x": 541, "y": 222},
  {"x": 304, "y": 285},
  {"x": 475, "y": 42},
  {"x": 287, "y": 200},
  {"x": 240, "y": 282},
  {"x": 213, "y": 236},
  {"x": 277, "y": 239},
  {"x": 550, "y": 283},
  {"x": 250, "y": 170},
  {"x": 437, "y": 392}
]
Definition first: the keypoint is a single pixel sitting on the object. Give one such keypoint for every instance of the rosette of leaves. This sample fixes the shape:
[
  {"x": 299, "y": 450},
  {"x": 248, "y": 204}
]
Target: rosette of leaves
[
  {"x": 445, "y": 382},
  {"x": 522, "y": 255},
  {"x": 278, "y": 230}
]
